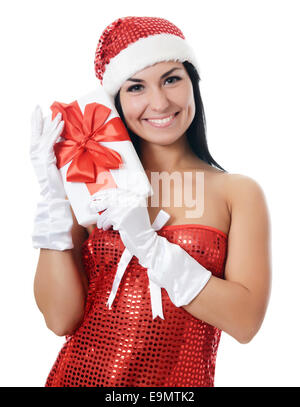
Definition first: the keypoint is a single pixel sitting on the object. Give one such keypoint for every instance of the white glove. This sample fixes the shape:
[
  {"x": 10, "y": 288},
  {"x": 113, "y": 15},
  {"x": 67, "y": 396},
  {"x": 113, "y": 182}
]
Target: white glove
[
  {"x": 53, "y": 220},
  {"x": 169, "y": 266}
]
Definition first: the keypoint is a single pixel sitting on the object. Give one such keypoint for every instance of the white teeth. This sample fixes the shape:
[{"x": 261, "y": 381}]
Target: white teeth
[{"x": 162, "y": 121}]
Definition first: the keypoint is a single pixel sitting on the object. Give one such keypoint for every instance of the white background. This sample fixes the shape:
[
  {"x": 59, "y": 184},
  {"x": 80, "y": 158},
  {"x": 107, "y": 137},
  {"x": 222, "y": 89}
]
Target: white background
[{"x": 250, "y": 68}]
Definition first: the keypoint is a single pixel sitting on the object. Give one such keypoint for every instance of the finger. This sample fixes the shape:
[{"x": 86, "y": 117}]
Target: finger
[
  {"x": 36, "y": 122},
  {"x": 106, "y": 220},
  {"x": 104, "y": 202},
  {"x": 99, "y": 206},
  {"x": 57, "y": 133},
  {"x": 100, "y": 220},
  {"x": 99, "y": 223},
  {"x": 126, "y": 198},
  {"x": 115, "y": 196},
  {"x": 49, "y": 124},
  {"x": 37, "y": 115},
  {"x": 107, "y": 224},
  {"x": 103, "y": 194},
  {"x": 56, "y": 120}
]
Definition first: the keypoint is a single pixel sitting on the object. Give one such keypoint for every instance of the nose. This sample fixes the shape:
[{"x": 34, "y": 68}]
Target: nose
[{"x": 159, "y": 101}]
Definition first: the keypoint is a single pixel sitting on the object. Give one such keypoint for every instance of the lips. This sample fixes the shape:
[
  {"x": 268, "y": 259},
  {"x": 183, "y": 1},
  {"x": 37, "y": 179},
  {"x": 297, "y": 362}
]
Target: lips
[{"x": 162, "y": 121}]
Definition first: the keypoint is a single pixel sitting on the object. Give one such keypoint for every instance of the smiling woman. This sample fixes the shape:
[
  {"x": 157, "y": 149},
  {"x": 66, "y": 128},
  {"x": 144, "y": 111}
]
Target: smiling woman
[{"x": 213, "y": 273}]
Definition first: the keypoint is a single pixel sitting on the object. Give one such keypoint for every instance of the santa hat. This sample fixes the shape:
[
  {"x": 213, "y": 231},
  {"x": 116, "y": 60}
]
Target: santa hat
[{"x": 131, "y": 44}]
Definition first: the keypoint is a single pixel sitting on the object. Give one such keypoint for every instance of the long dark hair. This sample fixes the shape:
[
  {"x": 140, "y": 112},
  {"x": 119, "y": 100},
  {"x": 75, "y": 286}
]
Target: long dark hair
[{"x": 196, "y": 133}]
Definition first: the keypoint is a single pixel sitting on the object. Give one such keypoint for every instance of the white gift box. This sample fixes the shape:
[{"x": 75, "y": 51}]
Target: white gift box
[{"x": 130, "y": 175}]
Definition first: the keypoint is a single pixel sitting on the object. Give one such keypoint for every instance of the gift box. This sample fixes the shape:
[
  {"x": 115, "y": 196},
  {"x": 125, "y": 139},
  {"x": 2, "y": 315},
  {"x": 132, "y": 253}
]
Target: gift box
[{"x": 95, "y": 152}]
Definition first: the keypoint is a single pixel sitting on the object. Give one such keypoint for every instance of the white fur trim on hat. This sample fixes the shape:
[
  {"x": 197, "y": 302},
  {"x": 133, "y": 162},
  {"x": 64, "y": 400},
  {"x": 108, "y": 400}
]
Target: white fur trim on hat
[{"x": 143, "y": 53}]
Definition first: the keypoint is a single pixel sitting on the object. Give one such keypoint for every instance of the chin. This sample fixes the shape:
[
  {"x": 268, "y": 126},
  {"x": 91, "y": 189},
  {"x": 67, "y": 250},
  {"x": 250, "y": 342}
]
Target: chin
[{"x": 162, "y": 141}]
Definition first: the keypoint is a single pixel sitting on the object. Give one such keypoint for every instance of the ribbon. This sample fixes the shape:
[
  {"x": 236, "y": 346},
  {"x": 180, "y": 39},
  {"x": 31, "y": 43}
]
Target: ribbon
[
  {"x": 82, "y": 134},
  {"x": 155, "y": 290}
]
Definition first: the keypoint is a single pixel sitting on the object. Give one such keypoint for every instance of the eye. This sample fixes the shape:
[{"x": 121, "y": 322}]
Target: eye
[
  {"x": 173, "y": 79},
  {"x": 134, "y": 88}
]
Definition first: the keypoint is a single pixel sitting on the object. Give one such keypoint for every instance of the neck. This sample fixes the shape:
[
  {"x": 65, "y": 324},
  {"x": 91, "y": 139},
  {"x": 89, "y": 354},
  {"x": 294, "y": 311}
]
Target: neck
[{"x": 168, "y": 158}]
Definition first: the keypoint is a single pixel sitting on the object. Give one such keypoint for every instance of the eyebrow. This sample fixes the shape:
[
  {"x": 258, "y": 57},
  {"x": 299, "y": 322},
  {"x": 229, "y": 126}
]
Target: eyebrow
[{"x": 163, "y": 76}]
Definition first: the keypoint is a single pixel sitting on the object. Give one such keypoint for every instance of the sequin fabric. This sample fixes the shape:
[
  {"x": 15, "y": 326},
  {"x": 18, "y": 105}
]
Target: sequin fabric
[
  {"x": 123, "y": 32},
  {"x": 124, "y": 346}
]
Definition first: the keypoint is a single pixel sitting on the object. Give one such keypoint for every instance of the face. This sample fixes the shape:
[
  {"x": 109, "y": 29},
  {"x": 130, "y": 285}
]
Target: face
[{"x": 158, "y": 102}]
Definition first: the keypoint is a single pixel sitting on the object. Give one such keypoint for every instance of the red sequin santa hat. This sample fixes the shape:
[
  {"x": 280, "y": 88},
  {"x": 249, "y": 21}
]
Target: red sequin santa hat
[{"x": 130, "y": 44}]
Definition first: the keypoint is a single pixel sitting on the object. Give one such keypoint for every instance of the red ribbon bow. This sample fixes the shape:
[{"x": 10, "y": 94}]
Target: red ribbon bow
[{"x": 82, "y": 133}]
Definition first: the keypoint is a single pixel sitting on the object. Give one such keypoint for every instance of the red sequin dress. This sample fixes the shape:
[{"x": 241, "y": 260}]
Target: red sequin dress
[{"x": 123, "y": 346}]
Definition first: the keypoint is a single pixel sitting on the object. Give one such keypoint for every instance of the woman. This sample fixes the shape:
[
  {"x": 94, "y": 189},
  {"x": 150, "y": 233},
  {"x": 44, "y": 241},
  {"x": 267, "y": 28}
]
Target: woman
[{"x": 213, "y": 268}]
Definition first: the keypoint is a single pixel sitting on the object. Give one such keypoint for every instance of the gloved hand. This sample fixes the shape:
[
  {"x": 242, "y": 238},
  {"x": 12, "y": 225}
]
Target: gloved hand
[
  {"x": 53, "y": 220},
  {"x": 169, "y": 266}
]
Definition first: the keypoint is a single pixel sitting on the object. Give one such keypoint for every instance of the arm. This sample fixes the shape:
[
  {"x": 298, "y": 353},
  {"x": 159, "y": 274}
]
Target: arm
[
  {"x": 237, "y": 305},
  {"x": 60, "y": 285}
]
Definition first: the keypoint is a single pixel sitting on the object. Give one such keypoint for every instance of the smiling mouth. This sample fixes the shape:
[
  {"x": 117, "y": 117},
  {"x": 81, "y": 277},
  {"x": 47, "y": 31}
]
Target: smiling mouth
[{"x": 162, "y": 122}]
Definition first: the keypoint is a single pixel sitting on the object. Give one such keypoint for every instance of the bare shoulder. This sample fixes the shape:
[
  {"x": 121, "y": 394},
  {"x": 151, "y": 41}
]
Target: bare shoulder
[
  {"x": 250, "y": 218},
  {"x": 242, "y": 188},
  {"x": 246, "y": 202}
]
